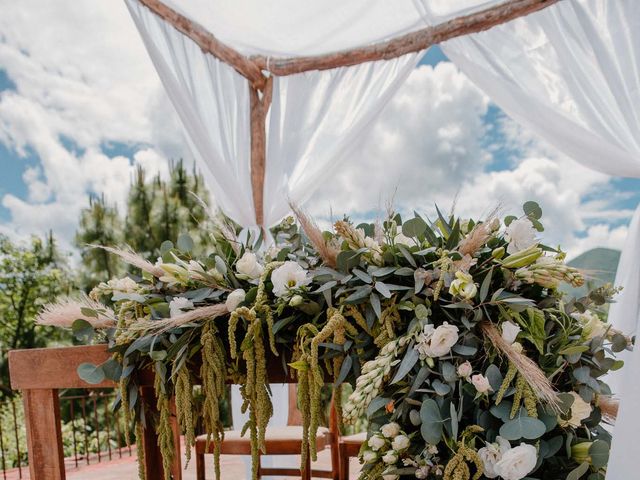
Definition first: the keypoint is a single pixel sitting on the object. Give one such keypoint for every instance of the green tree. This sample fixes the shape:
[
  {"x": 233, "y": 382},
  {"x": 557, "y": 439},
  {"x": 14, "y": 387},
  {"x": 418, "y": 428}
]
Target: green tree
[
  {"x": 31, "y": 275},
  {"x": 156, "y": 210},
  {"x": 99, "y": 224}
]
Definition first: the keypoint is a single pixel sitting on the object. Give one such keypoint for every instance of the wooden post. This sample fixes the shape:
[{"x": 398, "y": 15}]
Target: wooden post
[
  {"x": 44, "y": 437},
  {"x": 259, "y": 102},
  {"x": 152, "y": 456}
]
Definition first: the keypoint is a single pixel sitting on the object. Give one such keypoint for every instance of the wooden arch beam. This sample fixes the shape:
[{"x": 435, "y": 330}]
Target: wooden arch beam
[
  {"x": 408, "y": 43},
  {"x": 207, "y": 42},
  {"x": 252, "y": 67}
]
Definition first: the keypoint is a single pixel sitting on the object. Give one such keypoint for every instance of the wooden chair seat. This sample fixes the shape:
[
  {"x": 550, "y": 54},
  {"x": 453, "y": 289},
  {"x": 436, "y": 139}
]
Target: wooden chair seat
[
  {"x": 286, "y": 440},
  {"x": 281, "y": 440}
]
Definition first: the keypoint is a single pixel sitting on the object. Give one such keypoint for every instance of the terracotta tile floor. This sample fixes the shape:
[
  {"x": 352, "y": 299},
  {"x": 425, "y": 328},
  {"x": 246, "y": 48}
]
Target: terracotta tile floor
[{"x": 233, "y": 468}]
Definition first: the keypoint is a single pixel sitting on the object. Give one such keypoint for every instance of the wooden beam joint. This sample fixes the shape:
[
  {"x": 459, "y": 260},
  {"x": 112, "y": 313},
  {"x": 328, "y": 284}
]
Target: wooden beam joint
[{"x": 260, "y": 101}]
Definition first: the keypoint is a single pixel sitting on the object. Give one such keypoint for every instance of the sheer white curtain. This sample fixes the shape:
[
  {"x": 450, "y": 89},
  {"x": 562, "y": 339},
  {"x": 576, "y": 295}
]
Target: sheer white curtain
[
  {"x": 571, "y": 74},
  {"x": 315, "y": 118},
  {"x": 280, "y": 400},
  {"x": 212, "y": 101}
]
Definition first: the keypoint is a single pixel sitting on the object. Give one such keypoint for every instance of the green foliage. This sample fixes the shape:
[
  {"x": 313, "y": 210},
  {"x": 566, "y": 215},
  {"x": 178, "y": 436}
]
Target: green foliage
[
  {"x": 453, "y": 333},
  {"x": 31, "y": 275},
  {"x": 99, "y": 224},
  {"x": 157, "y": 210}
]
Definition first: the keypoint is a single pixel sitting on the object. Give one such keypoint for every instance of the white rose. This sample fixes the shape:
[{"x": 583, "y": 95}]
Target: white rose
[
  {"x": 520, "y": 234},
  {"x": 465, "y": 369},
  {"x": 178, "y": 305},
  {"x": 390, "y": 457},
  {"x": 463, "y": 286},
  {"x": 369, "y": 456},
  {"x": 491, "y": 455},
  {"x": 287, "y": 277},
  {"x": 580, "y": 410},
  {"x": 125, "y": 285},
  {"x": 376, "y": 442},
  {"x": 510, "y": 331},
  {"x": 390, "y": 430},
  {"x": 592, "y": 326},
  {"x": 517, "y": 462},
  {"x": 401, "y": 442},
  {"x": 481, "y": 383},
  {"x": 234, "y": 299},
  {"x": 402, "y": 239},
  {"x": 296, "y": 301},
  {"x": 444, "y": 337},
  {"x": 248, "y": 266}
]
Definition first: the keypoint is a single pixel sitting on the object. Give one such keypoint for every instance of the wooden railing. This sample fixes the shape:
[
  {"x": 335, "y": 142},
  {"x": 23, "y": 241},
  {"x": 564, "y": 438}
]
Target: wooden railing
[{"x": 39, "y": 374}]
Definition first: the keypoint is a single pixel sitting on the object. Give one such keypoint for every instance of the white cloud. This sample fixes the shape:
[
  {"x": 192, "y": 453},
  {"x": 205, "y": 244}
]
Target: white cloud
[
  {"x": 600, "y": 235},
  {"x": 83, "y": 80},
  {"x": 427, "y": 140},
  {"x": 429, "y": 148}
]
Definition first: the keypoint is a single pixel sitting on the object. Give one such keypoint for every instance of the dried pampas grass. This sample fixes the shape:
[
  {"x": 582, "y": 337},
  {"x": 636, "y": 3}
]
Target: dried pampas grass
[
  {"x": 132, "y": 258},
  {"x": 159, "y": 326},
  {"x": 327, "y": 252},
  {"x": 66, "y": 311},
  {"x": 479, "y": 235},
  {"x": 534, "y": 376},
  {"x": 609, "y": 408}
]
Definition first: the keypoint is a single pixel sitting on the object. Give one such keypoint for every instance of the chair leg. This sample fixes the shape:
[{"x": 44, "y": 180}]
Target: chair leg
[
  {"x": 200, "y": 466},
  {"x": 306, "y": 473},
  {"x": 259, "y": 467},
  {"x": 344, "y": 464}
]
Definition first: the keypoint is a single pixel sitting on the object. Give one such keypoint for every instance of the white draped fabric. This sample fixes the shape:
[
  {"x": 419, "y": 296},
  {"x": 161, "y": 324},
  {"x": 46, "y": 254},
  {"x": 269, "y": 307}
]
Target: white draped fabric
[
  {"x": 280, "y": 400},
  {"x": 571, "y": 74},
  {"x": 315, "y": 117}
]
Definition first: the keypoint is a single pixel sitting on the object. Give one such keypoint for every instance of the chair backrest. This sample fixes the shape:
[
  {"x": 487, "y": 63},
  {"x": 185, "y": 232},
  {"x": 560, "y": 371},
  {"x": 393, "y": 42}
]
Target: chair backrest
[{"x": 295, "y": 416}]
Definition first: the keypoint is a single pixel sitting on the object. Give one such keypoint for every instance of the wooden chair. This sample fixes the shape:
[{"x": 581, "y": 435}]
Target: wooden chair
[
  {"x": 349, "y": 447},
  {"x": 285, "y": 440}
]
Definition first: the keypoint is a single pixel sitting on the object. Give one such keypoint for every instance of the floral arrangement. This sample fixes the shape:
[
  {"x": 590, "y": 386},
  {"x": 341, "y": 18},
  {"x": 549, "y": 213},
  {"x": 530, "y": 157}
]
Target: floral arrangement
[{"x": 464, "y": 357}]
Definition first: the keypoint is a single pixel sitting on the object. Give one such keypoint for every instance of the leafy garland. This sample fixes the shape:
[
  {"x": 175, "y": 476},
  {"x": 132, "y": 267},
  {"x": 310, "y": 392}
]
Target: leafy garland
[{"x": 452, "y": 332}]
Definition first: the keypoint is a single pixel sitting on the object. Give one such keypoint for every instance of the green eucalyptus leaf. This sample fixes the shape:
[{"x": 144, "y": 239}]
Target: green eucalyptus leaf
[
  {"x": 486, "y": 283},
  {"x": 523, "y": 427},
  {"x": 599, "y": 453},
  {"x": 185, "y": 242},
  {"x": 494, "y": 376},
  {"x": 411, "y": 357},
  {"x": 376, "y": 404},
  {"x": 344, "y": 370},
  {"x": 166, "y": 247},
  {"x": 414, "y": 417},
  {"x": 383, "y": 289},
  {"x": 82, "y": 330},
  {"x": 440, "y": 388},
  {"x": 91, "y": 373},
  {"x": 532, "y": 210},
  {"x": 414, "y": 227},
  {"x": 578, "y": 472},
  {"x": 431, "y": 428}
]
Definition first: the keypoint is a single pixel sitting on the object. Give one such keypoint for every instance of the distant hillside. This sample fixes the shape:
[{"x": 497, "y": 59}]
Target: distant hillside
[{"x": 599, "y": 266}]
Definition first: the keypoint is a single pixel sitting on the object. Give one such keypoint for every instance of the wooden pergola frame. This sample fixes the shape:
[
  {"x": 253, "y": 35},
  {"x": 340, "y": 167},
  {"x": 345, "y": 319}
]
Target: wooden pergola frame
[{"x": 258, "y": 69}]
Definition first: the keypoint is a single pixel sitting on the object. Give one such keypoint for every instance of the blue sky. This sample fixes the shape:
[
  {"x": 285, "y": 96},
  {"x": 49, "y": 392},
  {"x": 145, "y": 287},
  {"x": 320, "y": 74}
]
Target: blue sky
[{"x": 77, "y": 119}]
